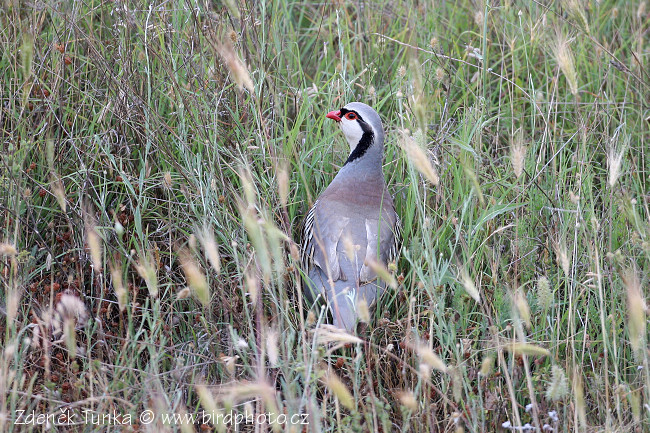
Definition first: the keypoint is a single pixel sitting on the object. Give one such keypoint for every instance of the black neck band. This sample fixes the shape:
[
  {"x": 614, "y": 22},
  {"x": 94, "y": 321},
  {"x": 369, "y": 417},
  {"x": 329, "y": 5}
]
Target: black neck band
[{"x": 366, "y": 141}]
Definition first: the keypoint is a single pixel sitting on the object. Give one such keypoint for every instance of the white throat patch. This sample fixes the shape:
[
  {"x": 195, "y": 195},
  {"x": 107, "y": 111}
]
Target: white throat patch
[{"x": 352, "y": 131}]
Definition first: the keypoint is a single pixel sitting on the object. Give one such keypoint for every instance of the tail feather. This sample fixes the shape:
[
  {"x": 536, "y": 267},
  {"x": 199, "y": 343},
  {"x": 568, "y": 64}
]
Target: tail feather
[
  {"x": 344, "y": 312},
  {"x": 341, "y": 298}
]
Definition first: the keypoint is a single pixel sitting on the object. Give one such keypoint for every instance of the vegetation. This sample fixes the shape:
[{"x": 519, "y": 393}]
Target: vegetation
[{"x": 157, "y": 161}]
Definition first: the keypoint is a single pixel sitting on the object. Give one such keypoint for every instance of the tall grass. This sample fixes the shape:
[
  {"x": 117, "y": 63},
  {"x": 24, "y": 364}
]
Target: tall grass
[{"x": 158, "y": 159}]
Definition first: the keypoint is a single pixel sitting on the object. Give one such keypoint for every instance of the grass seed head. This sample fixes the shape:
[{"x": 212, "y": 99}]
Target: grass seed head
[
  {"x": 206, "y": 398},
  {"x": 7, "y": 250},
  {"x": 468, "y": 284},
  {"x": 252, "y": 285},
  {"x": 183, "y": 293},
  {"x": 363, "y": 311},
  {"x": 195, "y": 278},
  {"x": 544, "y": 294},
  {"x": 615, "y": 162},
  {"x": 558, "y": 388},
  {"x": 148, "y": 271},
  {"x": 119, "y": 229},
  {"x": 283, "y": 186},
  {"x": 238, "y": 71},
  {"x": 167, "y": 180},
  {"x": 95, "y": 246},
  {"x": 349, "y": 247},
  {"x": 579, "y": 392},
  {"x": 233, "y": 8},
  {"x": 577, "y": 10},
  {"x": 518, "y": 154},
  {"x": 272, "y": 346},
  {"x": 71, "y": 307},
  {"x": 440, "y": 74},
  {"x": 338, "y": 388},
  {"x": 27, "y": 55},
  {"x": 521, "y": 305},
  {"x": 527, "y": 349},
  {"x": 565, "y": 60},
  {"x": 636, "y": 310},
  {"x": 419, "y": 158},
  {"x": 311, "y": 318},
  {"x": 408, "y": 400},
  {"x": 70, "y": 313},
  {"x": 641, "y": 11},
  {"x": 326, "y": 334},
  {"x": 487, "y": 365},
  {"x": 479, "y": 18},
  {"x": 14, "y": 296},
  {"x": 210, "y": 247},
  {"x": 59, "y": 191},
  {"x": 382, "y": 272},
  {"x": 428, "y": 357},
  {"x": 562, "y": 256},
  {"x": 118, "y": 285}
]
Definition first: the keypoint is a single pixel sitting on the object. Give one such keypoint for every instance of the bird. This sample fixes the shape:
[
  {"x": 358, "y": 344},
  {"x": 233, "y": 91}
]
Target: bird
[{"x": 353, "y": 225}]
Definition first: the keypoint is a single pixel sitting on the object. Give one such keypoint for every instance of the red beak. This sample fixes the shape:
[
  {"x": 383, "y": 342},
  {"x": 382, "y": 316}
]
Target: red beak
[{"x": 335, "y": 115}]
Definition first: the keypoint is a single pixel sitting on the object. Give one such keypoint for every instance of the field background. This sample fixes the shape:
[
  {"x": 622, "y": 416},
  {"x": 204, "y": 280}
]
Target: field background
[{"x": 158, "y": 158}]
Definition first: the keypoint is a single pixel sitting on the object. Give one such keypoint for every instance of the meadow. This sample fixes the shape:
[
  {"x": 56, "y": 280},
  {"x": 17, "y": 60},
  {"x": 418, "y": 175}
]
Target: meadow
[{"x": 158, "y": 159}]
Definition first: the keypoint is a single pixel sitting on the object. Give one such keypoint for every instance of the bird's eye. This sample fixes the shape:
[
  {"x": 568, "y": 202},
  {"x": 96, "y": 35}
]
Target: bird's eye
[{"x": 351, "y": 116}]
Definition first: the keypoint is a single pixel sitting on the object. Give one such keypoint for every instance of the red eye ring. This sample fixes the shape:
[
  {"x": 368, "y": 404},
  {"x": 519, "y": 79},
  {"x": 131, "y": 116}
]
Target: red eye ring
[{"x": 351, "y": 115}]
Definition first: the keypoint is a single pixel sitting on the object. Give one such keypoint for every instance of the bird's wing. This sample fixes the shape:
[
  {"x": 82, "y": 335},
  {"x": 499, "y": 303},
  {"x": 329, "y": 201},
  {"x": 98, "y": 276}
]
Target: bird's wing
[
  {"x": 383, "y": 242},
  {"x": 390, "y": 244},
  {"x": 322, "y": 233}
]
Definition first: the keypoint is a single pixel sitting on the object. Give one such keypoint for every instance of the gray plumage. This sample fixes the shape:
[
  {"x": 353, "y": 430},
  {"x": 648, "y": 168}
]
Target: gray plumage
[{"x": 352, "y": 224}]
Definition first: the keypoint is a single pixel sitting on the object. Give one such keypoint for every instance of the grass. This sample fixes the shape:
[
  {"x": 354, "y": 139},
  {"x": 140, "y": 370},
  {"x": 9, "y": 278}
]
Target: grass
[{"x": 157, "y": 161}]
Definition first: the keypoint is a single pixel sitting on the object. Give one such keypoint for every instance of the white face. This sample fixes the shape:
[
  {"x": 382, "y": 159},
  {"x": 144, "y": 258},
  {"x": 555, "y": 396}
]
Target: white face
[{"x": 352, "y": 131}]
